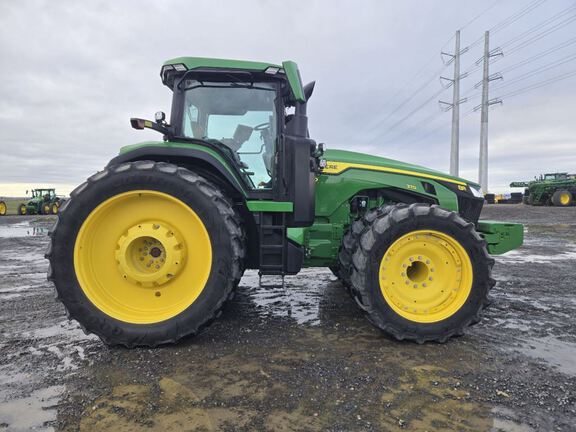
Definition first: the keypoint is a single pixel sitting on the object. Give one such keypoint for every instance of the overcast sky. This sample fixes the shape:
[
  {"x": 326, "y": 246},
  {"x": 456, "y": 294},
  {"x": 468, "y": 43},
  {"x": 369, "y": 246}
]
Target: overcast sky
[{"x": 74, "y": 72}]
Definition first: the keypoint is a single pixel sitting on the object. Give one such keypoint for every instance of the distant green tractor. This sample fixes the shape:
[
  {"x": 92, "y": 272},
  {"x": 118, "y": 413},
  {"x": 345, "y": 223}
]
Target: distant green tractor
[
  {"x": 557, "y": 189},
  {"x": 43, "y": 202},
  {"x": 148, "y": 250}
]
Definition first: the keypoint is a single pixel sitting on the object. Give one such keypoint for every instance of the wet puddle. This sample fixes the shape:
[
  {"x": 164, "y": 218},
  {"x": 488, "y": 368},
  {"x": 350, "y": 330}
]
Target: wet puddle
[
  {"x": 22, "y": 229},
  {"x": 557, "y": 353},
  {"x": 506, "y": 420},
  {"x": 521, "y": 256},
  {"x": 298, "y": 300},
  {"x": 35, "y": 412}
]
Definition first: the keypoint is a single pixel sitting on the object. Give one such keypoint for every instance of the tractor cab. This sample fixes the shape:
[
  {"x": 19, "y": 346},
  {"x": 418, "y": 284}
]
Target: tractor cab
[
  {"x": 254, "y": 116},
  {"x": 45, "y": 194},
  {"x": 555, "y": 176}
]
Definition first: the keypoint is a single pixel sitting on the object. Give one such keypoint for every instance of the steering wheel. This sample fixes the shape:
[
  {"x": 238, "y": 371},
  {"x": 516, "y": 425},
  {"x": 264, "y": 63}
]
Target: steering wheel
[{"x": 261, "y": 126}]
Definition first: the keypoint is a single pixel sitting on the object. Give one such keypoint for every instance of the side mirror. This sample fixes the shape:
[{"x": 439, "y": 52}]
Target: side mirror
[
  {"x": 140, "y": 124},
  {"x": 160, "y": 117}
]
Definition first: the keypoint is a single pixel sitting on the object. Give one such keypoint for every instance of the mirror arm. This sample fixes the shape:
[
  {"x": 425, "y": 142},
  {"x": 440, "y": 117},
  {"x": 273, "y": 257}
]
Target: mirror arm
[{"x": 138, "y": 123}]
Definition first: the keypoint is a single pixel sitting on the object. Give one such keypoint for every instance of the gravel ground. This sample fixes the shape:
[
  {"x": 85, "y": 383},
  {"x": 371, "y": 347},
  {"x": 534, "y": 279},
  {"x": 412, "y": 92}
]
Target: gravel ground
[{"x": 302, "y": 358}]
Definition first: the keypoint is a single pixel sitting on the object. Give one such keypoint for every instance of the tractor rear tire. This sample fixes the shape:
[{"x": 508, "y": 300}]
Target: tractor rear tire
[
  {"x": 3, "y": 208},
  {"x": 562, "y": 198},
  {"x": 22, "y": 210},
  {"x": 177, "y": 248},
  {"x": 421, "y": 273}
]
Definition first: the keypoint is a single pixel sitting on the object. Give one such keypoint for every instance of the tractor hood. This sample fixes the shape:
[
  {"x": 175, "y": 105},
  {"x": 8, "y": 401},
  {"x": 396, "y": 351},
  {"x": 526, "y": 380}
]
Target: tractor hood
[{"x": 340, "y": 160}]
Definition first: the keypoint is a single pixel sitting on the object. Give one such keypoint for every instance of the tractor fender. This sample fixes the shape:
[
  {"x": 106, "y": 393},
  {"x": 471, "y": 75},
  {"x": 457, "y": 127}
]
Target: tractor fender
[{"x": 194, "y": 159}]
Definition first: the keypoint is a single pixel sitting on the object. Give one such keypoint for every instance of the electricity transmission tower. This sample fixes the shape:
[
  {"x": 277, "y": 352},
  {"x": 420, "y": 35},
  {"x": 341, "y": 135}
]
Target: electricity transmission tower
[
  {"x": 486, "y": 102},
  {"x": 455, "y": 105}
]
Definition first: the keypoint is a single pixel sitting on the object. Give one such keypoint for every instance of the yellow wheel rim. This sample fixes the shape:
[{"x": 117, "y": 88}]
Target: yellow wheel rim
[
  {"x": 142, "y": 257},
  {"x": 2, "y": 208},
  {"x": 54, "y": 209},
  {"x": 46, "y": 208},
  {"x": 23, "y": 210},
  {"x": 426, "y": 276},
  {"x": 564, "y": 199}
]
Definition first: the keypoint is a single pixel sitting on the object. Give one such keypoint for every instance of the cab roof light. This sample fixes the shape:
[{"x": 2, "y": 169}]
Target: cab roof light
[
  {"x": 180, "y": 67},
  {"x": 272, "y": 70}
]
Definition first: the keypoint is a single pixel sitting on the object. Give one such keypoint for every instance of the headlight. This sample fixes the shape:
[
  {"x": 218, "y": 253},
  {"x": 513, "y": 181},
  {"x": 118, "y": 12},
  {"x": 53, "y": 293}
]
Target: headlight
[{"x": 476, "y": 192}]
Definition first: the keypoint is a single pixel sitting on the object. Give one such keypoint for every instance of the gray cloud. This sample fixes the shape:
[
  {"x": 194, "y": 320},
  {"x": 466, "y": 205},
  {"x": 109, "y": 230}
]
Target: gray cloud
[{"x": 74, "y": 72}]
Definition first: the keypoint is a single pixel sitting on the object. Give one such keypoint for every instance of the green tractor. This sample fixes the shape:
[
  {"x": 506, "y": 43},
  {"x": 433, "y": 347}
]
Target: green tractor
[
  {"x": 556, "y": 189},
  {"x": 149, "y": 249},
  {"x": 43, "y": 202}
]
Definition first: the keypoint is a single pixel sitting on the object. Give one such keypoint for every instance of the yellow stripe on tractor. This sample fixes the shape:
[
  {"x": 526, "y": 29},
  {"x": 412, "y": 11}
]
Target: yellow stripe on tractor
[{"x": 340, "y": 167}]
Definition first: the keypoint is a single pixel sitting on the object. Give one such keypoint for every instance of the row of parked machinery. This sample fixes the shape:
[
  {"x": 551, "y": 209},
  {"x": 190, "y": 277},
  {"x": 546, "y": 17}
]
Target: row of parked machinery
[
  {"x": 42, "y": 202},
  {"x": 556, "y": 189}
]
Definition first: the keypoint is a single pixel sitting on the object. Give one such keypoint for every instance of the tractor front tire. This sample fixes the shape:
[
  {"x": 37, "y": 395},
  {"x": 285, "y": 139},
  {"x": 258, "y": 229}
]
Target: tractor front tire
[
  {"x": 46, "y": 209},
  {"x": 145, "y": 253},
  {"x": 350, "y": 242},
  {"x": 421, "y": 273},
  {"x": 54, "y": 208},
  {"x": 3, "y": 208},
  {"x": 22, "y": 210},
  {"x": 562, "y": 198}
]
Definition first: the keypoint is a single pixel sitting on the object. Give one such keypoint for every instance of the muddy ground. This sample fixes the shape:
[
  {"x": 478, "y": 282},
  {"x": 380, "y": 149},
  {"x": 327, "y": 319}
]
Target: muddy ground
[{"x": 300, "y": 359}]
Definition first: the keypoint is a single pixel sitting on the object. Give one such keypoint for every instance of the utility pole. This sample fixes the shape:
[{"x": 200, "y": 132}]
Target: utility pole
[
  {"x": 486, "y": 102},
  {"x": 455, "y": 105}
]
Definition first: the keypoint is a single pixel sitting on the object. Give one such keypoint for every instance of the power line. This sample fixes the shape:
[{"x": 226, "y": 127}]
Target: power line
[
  {"x": 540, "y": 25},
  {"x": 409, "y": 99},
  {"x": 538, "y": 70},
  {"x": 541, "y": 35},
  {"x": 515, "y": 17},
  {"x": 406, "y": 101},
  {"x": 539, "y": 55},
  {"x": 410, "y": 114},
  {"x": 510, "y": 19},
  {"x": 480, "y": 14},
  {"x": 534, "y": 38},
  {"x": 415, "y": 127},
  {"x": 537, "y": 85}
]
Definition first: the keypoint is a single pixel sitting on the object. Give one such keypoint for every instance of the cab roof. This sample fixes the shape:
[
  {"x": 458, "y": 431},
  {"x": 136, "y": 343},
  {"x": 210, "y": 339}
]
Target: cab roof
[
  {"x": 203, "y": 62},
  {"x": 183, "y": 64}
]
